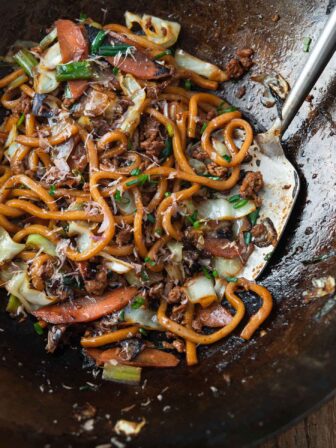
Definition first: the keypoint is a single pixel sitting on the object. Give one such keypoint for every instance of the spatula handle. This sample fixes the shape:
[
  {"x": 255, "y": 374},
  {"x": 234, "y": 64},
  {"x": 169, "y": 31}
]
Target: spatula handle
[{"x": 319, "y": 57}]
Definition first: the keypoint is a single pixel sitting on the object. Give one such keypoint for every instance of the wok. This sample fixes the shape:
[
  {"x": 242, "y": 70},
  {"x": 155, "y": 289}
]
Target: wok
[{"x": 241, "y": 392}]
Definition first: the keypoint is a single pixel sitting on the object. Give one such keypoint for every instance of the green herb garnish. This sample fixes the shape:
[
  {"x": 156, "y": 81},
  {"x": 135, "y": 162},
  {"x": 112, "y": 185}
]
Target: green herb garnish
[
  {"x": 143, "y": 332},
  {"x": 52, "y": 190},
  {"x": 117, "y": 196},
  {"x": 231, "y": 279},
  {"x": 164, "y": 53},
  {"x": 227, "y": 158},
  {"x": 26, "y": 60},
  {"x": 167, "y": 194},
  {"x": 203, "y": 128},
  {"x": 268, "y": 256},
  {"x": 97, "y": 41},
  {"x": 136, "y": 172},
  {"x": 149, "y": 261},
  {"x": 151, "y": 218},
  {"x": 74, "y": 70},
  {"x": 115, "y": 71},
  {"x": 144, "y": 275},
  {"x": 138, "y": 301},
  {"x": 187, "y": 84},
  {"x": 167, "y": 150},
  {"x": 234, "y": 198},
  {"x": 240, "y": 203},
  {"x": 20, "y": 120},
  {"x": 253, "y": 217},
  {"x": 113, "y": 50},
  {"x": 222, "y": 109},
  {"x": 38, "y": 329},
  {"x": 306, "y": 44},
  {"x": 206, "y": 272},
  {"x": 140, "y": 180},
  {"x": 170, "y": 130},
  {"x": 122, "y": 315},
  {"x": 247, "y": 238}
]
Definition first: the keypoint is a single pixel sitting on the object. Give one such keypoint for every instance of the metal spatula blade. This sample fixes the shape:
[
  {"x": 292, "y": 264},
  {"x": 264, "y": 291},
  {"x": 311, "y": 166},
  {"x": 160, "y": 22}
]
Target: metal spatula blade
[{"x": 280, "y": 177}]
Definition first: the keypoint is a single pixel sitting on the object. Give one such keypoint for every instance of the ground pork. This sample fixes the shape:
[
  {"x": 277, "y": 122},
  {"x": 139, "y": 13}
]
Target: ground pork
[
  {"x": 252, "y": 183},
  {"x": 152, "y": 138}
]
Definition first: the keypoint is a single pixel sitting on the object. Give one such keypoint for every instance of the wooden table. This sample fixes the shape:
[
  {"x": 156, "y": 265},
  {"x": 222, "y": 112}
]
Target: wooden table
[{"x": 318, "y": 430}]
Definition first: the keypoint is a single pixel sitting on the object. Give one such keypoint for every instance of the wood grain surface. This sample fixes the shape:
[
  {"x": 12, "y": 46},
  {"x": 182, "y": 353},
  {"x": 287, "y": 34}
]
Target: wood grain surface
[{"x": 318, "y": 430}]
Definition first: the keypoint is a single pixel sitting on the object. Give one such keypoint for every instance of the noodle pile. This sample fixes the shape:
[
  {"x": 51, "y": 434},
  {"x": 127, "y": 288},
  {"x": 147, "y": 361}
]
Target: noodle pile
[{"x": 123, "y": 212}]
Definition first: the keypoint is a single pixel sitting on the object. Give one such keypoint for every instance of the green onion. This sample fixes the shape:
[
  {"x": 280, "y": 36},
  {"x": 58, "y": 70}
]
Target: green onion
[
  {"x": 167, "y": 194},
  {"x": 149, "y": 261},
  {"x": 231, "y": 279},
  {"x": 113, "y": 50},
  {"x": 13, "y": 304},
  {"x": 26, "y": 61},
  {"x": 48, "y": 39},
  {"x": 167, "y": 150},
  {"x": 203, "y": 128},
  {"x": 234, "y": 198},
  {"x": 129, "y": 145},
  {"x": 187, "y": 84},
  {"x": 82, "y": 16},
  {"x": 151, "y": 218},
  {"x": 140, "y": 180},
  {"x": 196, "y": 224},
  {"x": 221, "y": 109},
  {"x": 73, "y": 70},
  {"x": 67, "y": 91},
  {"x": 122, "y": 315},
  {"x": 306, "y": 44},
  {"x": 247, "y": 238},
  {"x": 193, "y": 218},
  {"x": 143, "y": 332},
  {"x": 240, "y": 203},
  {"x": 159, "y": 231},
  {"x": 138, "y": 301},
  {"x": 144, "y": 275},
  {"x": 97, "y": 41},
  {"x": 215, "y": 273},
  {"x": 206, "y": 272},
  {"x": 170, "y": 130},
  {"x": 52, "y": 190},
  {"x": 117, "y": 196},
  {"x": 268, "y": 256},
  {"x": 115, "y": 71},
  {"x": 253, "y": 217},
  {"x": 211, "y": 177},
  {"x": 164, "y": 53},
  {"x": 37, "y": 327},
  {"x": 20, "y": 120},
  {"x": 136, "y": 172},
  {"x": 122, "y": 374},
  {"x": 227, "y": 158}
]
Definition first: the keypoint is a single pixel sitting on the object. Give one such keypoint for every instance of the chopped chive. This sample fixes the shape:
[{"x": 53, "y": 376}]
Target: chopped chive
[
  {"x": 117, "y": 196},
  {"x": 268, "y": 256},
  {"x": 215, "y": 273},
  {"x": 151, "y": 218},
  {"x": 143, "y": 332},
  {"x": 306, "y": 44},
  {"x": 39, "y": 330},
  {"x": 115, "y": 71},
  {"x": 253, "y": 217},
  {"x": 240, "y": 203},
  {"x": 234, "y": 198},
  {"x": 187, "y": 84},
  {"x": 167, "y": 150},
  {"x": 74, "y": 70},
  {"x": 97, "y": 41},
  {"x": 122, "y": 374},
  {"x": 206, "y": 272},
  {"x": 52, "y": 190},
  {"x": 203, "y": 128},
  {"x": 20, "y": 120},
  {"x": 138, "y": 301},
  {"x": 170, "y": 130},
  {"x": 144, "y": 275},
  {"x": 140, "y": 180},
  {"x": 164, "y": 53},
  {"x": 227, "y": 158},
  {"x": 167, "y": 194},
  {"x": 231, "y": 279},
  {"x": 122, "y": 315},
  {"x": 247, "y": 238},
  {"x": 26, "y": 60},
  {"x": 136, "y": 172},
  {"x": 113, "y": 50},
  {"x": 149, "y": 261}
]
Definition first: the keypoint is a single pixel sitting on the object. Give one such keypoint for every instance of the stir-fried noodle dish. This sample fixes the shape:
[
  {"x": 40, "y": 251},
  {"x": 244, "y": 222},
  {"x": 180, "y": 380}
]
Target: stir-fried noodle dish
[{"x": 126, "y": 212}]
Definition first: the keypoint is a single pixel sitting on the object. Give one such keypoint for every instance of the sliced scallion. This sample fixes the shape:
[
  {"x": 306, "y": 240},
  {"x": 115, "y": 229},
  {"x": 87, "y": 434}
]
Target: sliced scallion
[
  {"x": 240, "y": 203},
  {"x": 138, "y": 301},
  {"x": 227, "y": 158},
  {"x": 20, "y": 120},
  {"x": 122, "y": 374},
  {"x": 231, "y": 279},
  {"x": 170, "y": 130},
  {"x": 97, "y": 41},
  {"x": 113, "y": 50},
  {"x": 203, "y": 128},
  {"x": 74, "y": 70},
  {"x": 140, "y": 180},
  {"x": 306, "y": 44},
  {"x": 13, "y": 304},
  {"x": 253, "y": 217},
  {"x": 38, "y": 329},
  {"x": 26, "y": 61},
  {"x": 167, "y": 150},
  {"x": 164, "y": 53},
  {"x": 234, "y": 198},
  {"x": 247, "y": 238}
]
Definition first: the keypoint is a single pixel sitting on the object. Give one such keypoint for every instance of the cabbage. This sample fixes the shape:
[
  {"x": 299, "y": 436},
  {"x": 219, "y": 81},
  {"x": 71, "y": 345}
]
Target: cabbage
[
  {"x": 45, "y": 80},
  {"x": 221, "y": 208},
  {"x": 52, "y": 57},
  {"x": 13, "y": 147},
  {"x": 176, "y": 249},
  {"x": 11, "y": 136},
  {"x": 144, "y": 317},
  {"x": 227, "y": 267},
  {"x": 84, "y": 240},
  {"x": 133, "y": 90},
  {"x": 161, "y": 32},
  {"x": 200, "y": 289},
  {"x": 40, "y": 242},
  {"x": 126, "y": 204},
  {"x": 48, "y": 39},
  {"x": 17, "y": 283},
  {"x": 116, "y": 265},
  {"x": 189, "y": 62},
  {"x": 8, "y": 247},
  {"x": 220, "y": 287}
]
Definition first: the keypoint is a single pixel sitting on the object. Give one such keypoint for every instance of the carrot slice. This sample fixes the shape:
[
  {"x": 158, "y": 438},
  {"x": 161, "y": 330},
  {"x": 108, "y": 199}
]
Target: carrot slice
[
  {"x": 73, "y": 44},
  {"x": 86, "y": 309},
  {"x": 149, "y": 357},
  {"x": 137, "y": 64},
  {"x": 74, "y": 47}
]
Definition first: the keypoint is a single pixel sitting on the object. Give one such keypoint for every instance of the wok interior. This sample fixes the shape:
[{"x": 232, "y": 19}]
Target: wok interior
[{"x": 241, "y": 391}]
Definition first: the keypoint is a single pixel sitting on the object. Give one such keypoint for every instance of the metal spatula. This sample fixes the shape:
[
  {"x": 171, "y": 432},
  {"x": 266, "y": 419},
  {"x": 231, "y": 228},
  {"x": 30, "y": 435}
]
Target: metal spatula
[{"x": 281, "y": 179}]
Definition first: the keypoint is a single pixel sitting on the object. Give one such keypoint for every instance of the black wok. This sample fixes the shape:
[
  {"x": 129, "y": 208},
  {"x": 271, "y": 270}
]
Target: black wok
[{"x": 240, "y": 392}]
